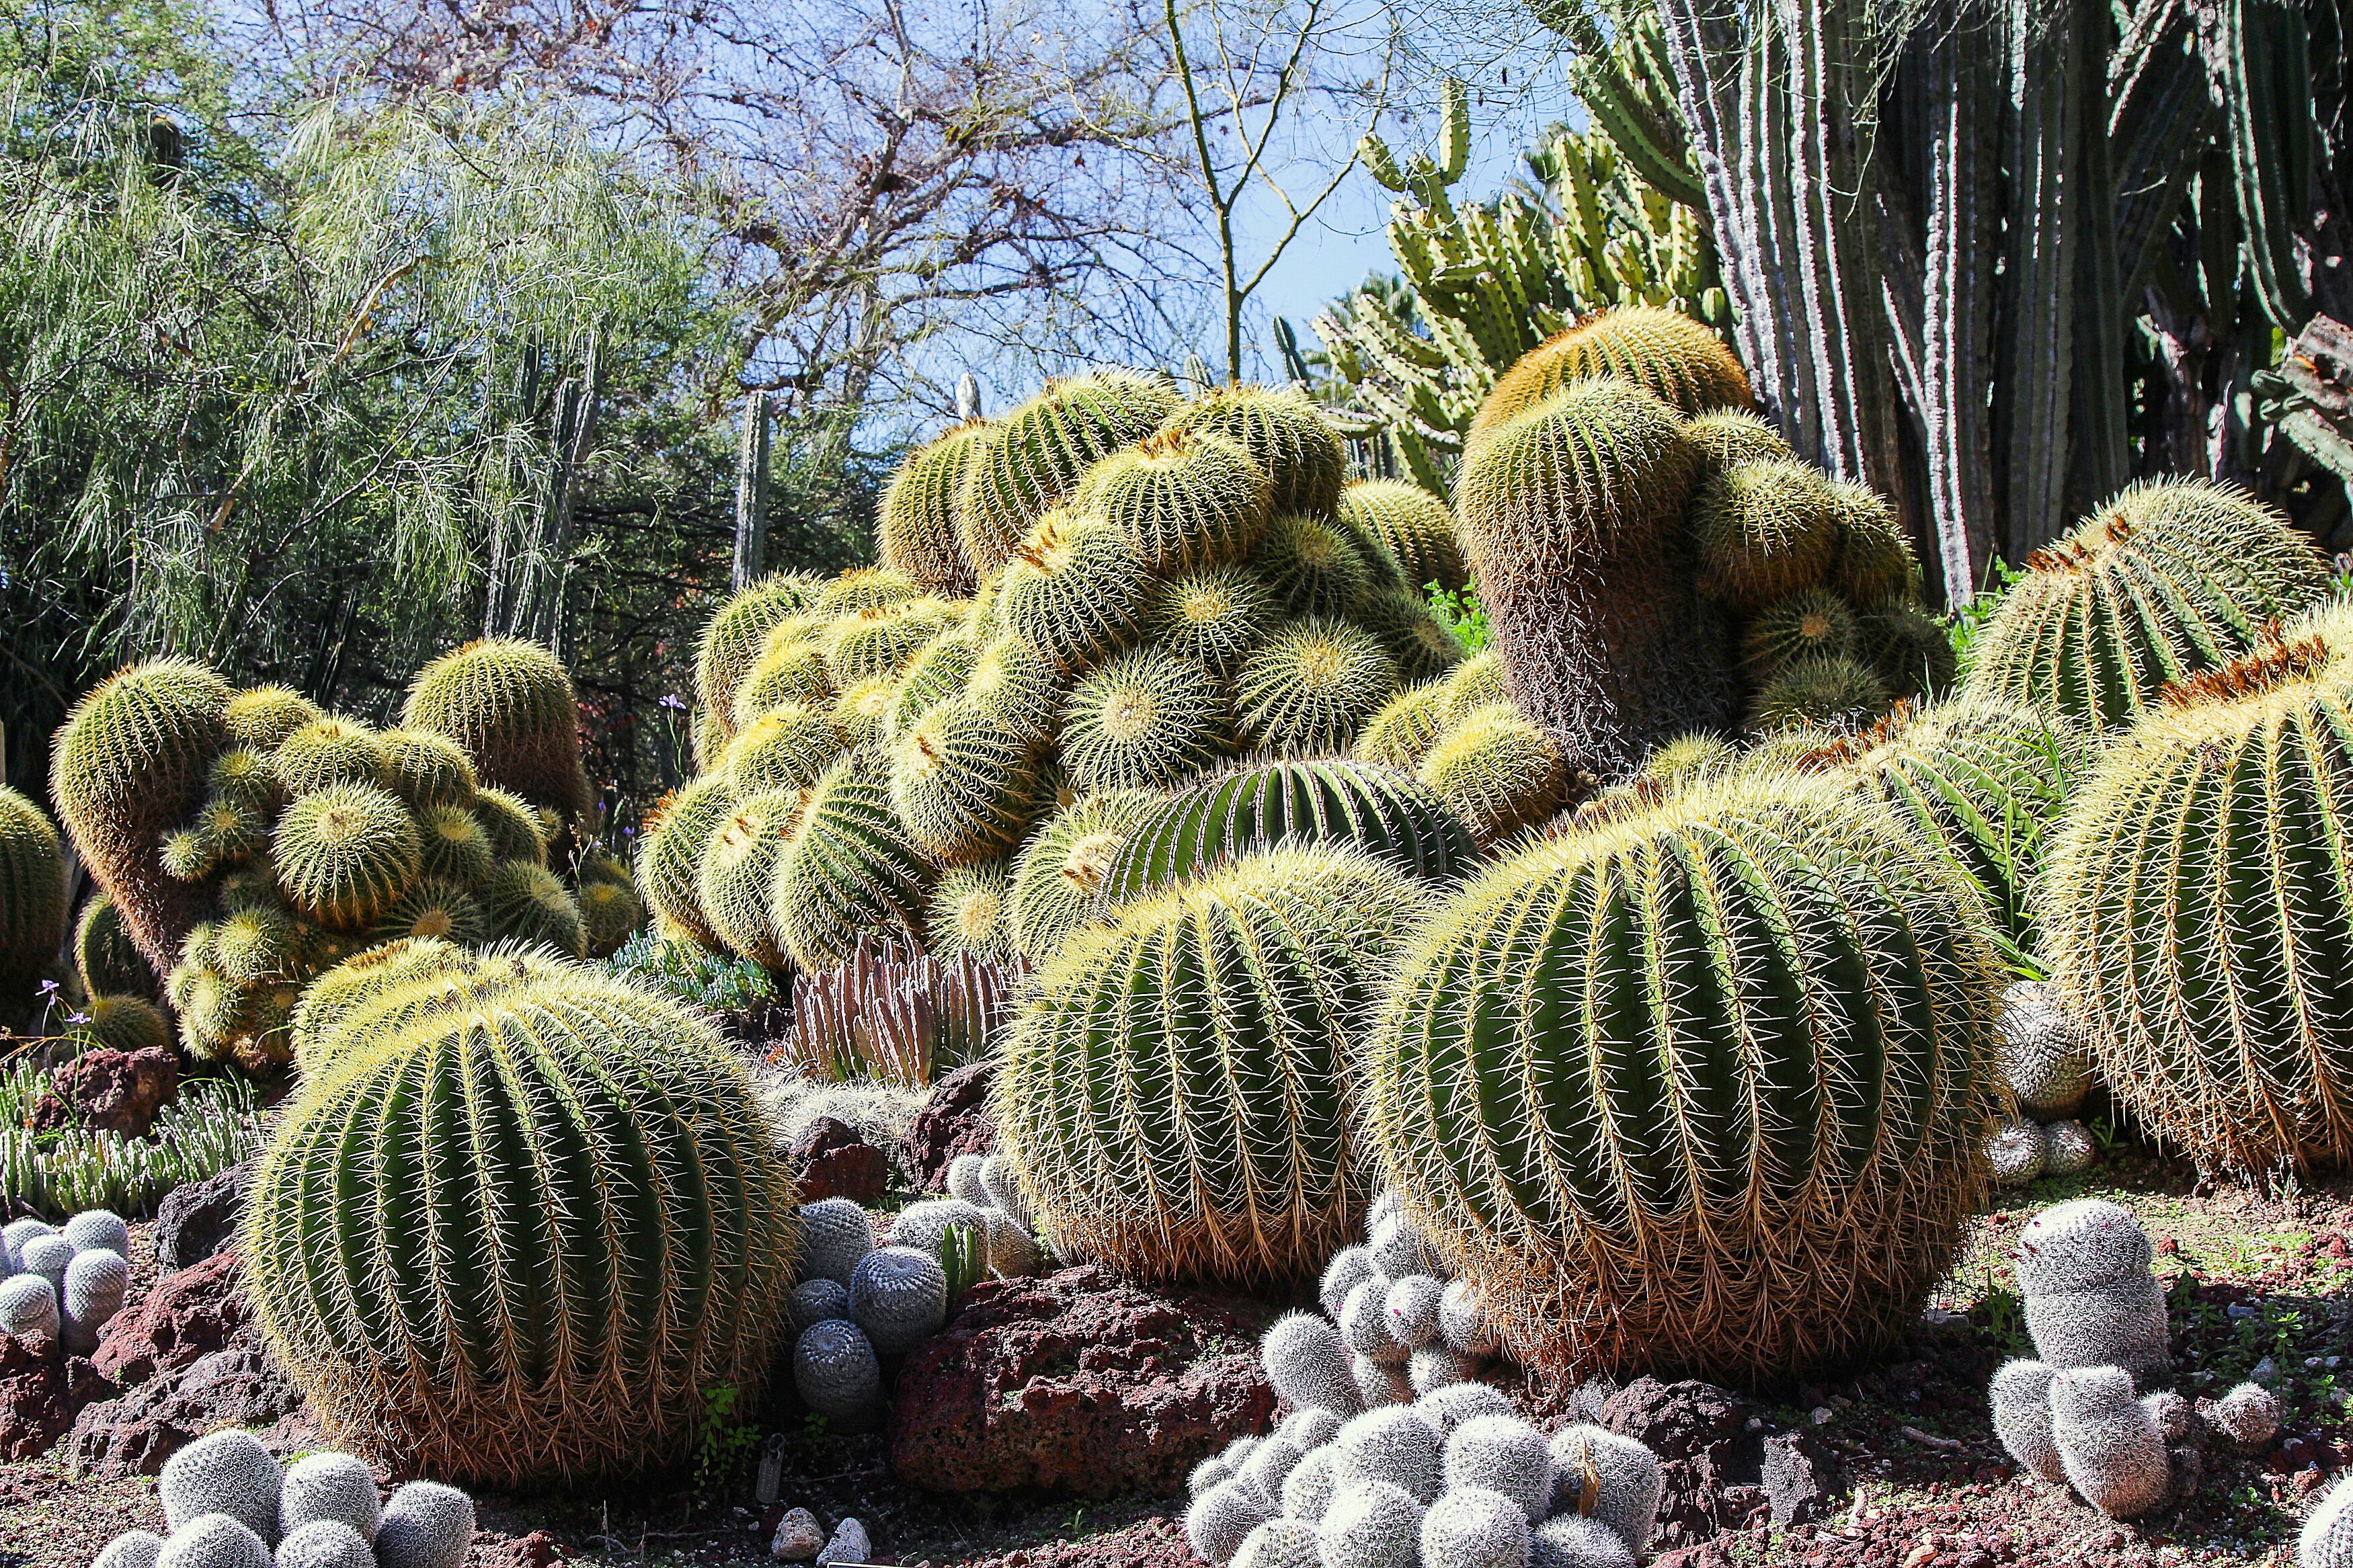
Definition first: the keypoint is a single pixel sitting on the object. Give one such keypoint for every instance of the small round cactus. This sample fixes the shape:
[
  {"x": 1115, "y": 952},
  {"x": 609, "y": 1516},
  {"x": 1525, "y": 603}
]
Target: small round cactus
[
  {"x": 13, "y": 1237},
  {"x": 132, "y": 1548},
  {"x": 1364, "y": 1322},
  {"x": 1206, "y": 1474},
  {"x": 1222, "y": 1518},
  {"x": 345, "y": 854},
  {"x": 1398, "y": 1249},
  {"x": 1610, "y": 1479},
  {"x": 48, "y": 1257},
  {"x": 1013, "y": 1252},
  {"x": 997, "y": 1179},
  {"x": 1307, "y": 1362},
  {"x": 963, "y": 1180},
  {"x": 1501, "y": 1454},
  {"x": 1350, "y": 1266},
  {"x": 1463, "y": 1320},
  {"x": 2014, "y": 1151},
  {"x": 1281, "y": 1543},
  {"x": 835, "y": 1234},
  {"x": 2108, "y": 1442},
  {"x": 2020, "y": 1396},
  {"x": 325, "y": 1544},
  {"x": 90, "y": 1296},
  {"x": 1474, "y": 1527},
  {"x": 329, "y": 1488},
  {"x": 1371, "y": 1524},
  {"x": 1393, "y": 1444},
  {"x": 1307, "y": 1489},
  {"x": 1433, "y": 1367},
  {"x": 2068, "y": 1149},
  {"x": 1309, "y": 1429},
  {"x": 1381, "y": 1383},
  {"x": 2326, "y": 1538},
  {"x": 815, "y": 1300},
  {"x": 1270, "y": 1463},
  {"x": 2249, "y": 1415},
  {"x": 923, "y": 1225},
  {"x": 2045, "y": 1053},
  {"x": 426, "y": 1525},
  {"x": 835, "y": 1369},
  {"x": 227, "y": 1473},
  {"x": 1309, "y": 688},
  {"x": 898, "y": 1296},
  {"x": 1571, "y": 1540},
  {"x": 1448, "y": 1408},
  {"x": 2090, "y": 1299},
  {"x": 1412, "y": 1304},
  {"x": 99, "y": 1229},
  {"x": 214, "y": 1541},
  {"x": 28, "y": 1306}
]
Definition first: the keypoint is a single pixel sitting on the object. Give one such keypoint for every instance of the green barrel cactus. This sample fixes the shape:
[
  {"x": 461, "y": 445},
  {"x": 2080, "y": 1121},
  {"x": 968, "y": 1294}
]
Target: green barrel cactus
[
  {"x": 123, "y": 1024},
  {"x": 1378, "y": 812},
  {"x": 1401, "y": 731},
  {"x": 435, "y": 908},
  {"x": 847, "y": 868},
  {"x": 1185, "y": 501},
  {"x": 1811, "y": 622},
  {"x": 1764, "y": 530},
  {"x": 1147, "y": 720},
  {"x": 1284, "y": 433},
  {"x": 423, "y": 769},
  {"x": 107, "y": 959},
  {"x": 1176, "y": 1095},
  {"x": 1701, "y": 1089},
  {"x": 791, "y": 667},
  {"x": 915, "y": 527},
  {"x": 1212, "y": 618},
  {"x": 343, "y": 855},
  {"x": 2198, "y": 900},
  {"x": 1309, "y": 688},
  {"x": 1313, "y": 567},
  {"x": 1473, "y": 684},
  {"x": 971, "y": 911},
  {"x": 260, "y": 717},
  {"x": 1497, "y": 772},
  {"x": 130, "y": 766},
  {"x": 1674, "y": 358},
  {"x": 1058, "y": 877},
  {"x": 863, "y": 588},
  {"x": 325, "y": 753},
  {"x": 1874, "y": 560},
  {"x": 510, "y": 705},
  {"x": 1031, "y": 460},
  {"x": 670, "y": 846},
  {"x": 862, "y": 711},
  {"x": 1076, "y": 591},
  {"x": 1906, "y": 648},
  {"x": 32, "y": 897},
  {"x": 737, "y": 636},
  {"x": 248, "y": 778},
  {"x": 1828, "y": 693},
  {"x": 737, "y": 863},
  {"x": 784, "y": 748},
  {"x": 610, "y": 913},
  {"x": 344, "y": 989},
  {"x": 1400, "y": 618},
  {"x": 1980, "y": 787},
  {"x": 451, "y": 845},
  {"x": 520, "y": 1238},
  {"x": 883, "y": 640},
  {"x": 1020, "y": 685},
  {"x": 513, "y": 828},
  {"x": 1415, "y": 527},
  {"x": 1727, "y": 436},
  {"x": 964, "y": 786},
  {"x": 2169, "y": 578},
  {"x": 939, "y": 672},
  {"x": 1571, "y": 517}
]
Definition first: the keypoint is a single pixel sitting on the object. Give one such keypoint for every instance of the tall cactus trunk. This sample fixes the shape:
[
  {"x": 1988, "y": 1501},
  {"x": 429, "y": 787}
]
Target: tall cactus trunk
[{"x": 752, "y": 493}]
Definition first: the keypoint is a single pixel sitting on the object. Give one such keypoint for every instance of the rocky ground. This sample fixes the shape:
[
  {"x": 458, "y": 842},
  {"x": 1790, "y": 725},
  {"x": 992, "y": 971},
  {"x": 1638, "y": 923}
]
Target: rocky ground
[{"x": 1044, "y": 1386}]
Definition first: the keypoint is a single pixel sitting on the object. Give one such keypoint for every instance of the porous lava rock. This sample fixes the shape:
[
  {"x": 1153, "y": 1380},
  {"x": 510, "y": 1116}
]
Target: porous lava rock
[
  {"x": 953, "y": 1122},
  {"x": 1078, "y": 1383},
  {"x": 836, "y": 1162}
]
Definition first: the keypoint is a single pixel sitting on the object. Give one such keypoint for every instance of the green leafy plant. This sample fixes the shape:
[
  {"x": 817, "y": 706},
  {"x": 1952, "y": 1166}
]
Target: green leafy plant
[
  {"x": 53, "y": 1174},
  {"x": 688, "y": 972},
  {"x": 725, "y": 1442},
  {"x": 1460, "y": 612}
]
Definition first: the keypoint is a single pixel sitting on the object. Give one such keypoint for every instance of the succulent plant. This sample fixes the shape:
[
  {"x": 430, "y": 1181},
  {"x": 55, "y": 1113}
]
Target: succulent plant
[
  {"x": 108, "y": 961},
  {"x": 28, "y": 1306},
  {"x": 1393, "y": 1447},
  {"x": 899, "y": 1297},
  {"x": 329, "y": 1486},
  {"x": 1310, "y": 687},
  {"x": 845, "y": 869},
  {"x": 1729, "y": 436},
  {"x": 260, "y": 717},
  {"x": 736, "y": 636},
  {"x": 1370, "y": 1524},
  {"x": 1185, "y": 499},
  {"x": 791, "y": 668},
  {"x": 1496, "y": 771},
  {"x": 1609, "y": 1479},
  {"x": 815, "y": 1300},
  {"x": 325, "y": 753},
  {"x": 971, "y": 911},
  {"x": 545, "y": 1121},
  {"x": 2327, "y": 1539},
  {"x": 1474, "y": 1527},
  {"x": 1018, "y": 684},
  {"x": 835, "y": 1234},
  {"x": 1764, "y": 530},
  {"x": 1475, "y": 683},
  {"x": 345, "y": 854},
  {"x": 510, "y": 705},
  {"x": 838, "y": 1377},
  {"x": 1668, "y": 354},
  {"x": 1811, "y": 622},
  {"x": 1030, "y": 461},
  {"x": 214, "y": 1541},
  {"x": 1280, "y": 1544},
  {"x": 1571, "y": 1540},
  {"x": 784, "y": 748},
  {"x": 1244, "y": 987},
  {"x": 884, "y": 641},
  {"x": 1401, "y": 731},
  {"x": 132, "y": 1548},
  {"x": 1147, "y": 720},
  {"x": 1501, "y": 1454},
  {"x": 938, "y": 672},
  {"x": 90, "y": 1296},
  {"x": 1312, "y": 567},
  {"x": 1212, "y": 617},
  {"x": 1057, "y": 877},
  {"x": 514, "y": 830},
  {"x": 879, "y": 1014},
  {"x": 1383, "y": 1382},
  {"x": 130, "y": 764},
  {"x": 1414, "y": 526},
  {"x": 1364, "y": 1325},
  {"x": 1571, "y": 518},
  {"x": 2167, "y": 579},
  {"x": 2013, "y": 1151},
  {"x": 426, "y": 1525},
  {"x": 961, "y": 783},
  {"x": 2108, "y": 1443},
  {"x": 671, "y": 848},
  {"x": 1874, "y": 562},
  {"x": 1076, "y": 591},
  {"x": 1906, "y": 648},
  {"x": 2020, "y": 1396},
  {"x": 2090, "y": 1299},
  {"x": 1830, "y": 694},
  {"x": 2249, "y": 1417},
  {"x": 526, "y": 903},
  {"x": 1868, "y": 1209},
  {"x": 227, "y": 1473},
  {"x": 434, "y": 907},
  {"x": 1220, "y": 1519},
  {"x": 610, "y": 913},
  {"x": 425, "y": 770},
  {"x": 860, "y": 589},
  {"x": 32, "y": 893},
  {"x": 1307, "y": 1362},
  {"x": 1284, "y": 433},
  {"x": 733, "y": 878},
  {"x": 2181, "y": 894},
  {"x": 915, "y": 526},
  {"x": 1307, "y": 1489},
  {"x": 325, "y": 1544}
]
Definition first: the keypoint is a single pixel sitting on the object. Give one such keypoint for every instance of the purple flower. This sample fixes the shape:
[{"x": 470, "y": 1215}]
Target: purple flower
[
  {"x": 672, "y": 701},
  {"x": 77, "y": 1018},
  {"x": 48, "y": 989}
]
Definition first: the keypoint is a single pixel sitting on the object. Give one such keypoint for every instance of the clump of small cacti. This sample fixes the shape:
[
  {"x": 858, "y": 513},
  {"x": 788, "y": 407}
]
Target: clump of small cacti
[{"x": 63, "y": 1285}]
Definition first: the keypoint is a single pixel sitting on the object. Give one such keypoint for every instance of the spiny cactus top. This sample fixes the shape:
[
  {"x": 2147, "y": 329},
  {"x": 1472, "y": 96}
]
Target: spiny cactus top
[
  {"x": 1175, "y": 1093},
  {"x": 1666, "y": 353},
  {"x": 1284, "y": 433},
  {"x": 2198, "y": 894},
  {"x": 510, "y": 704},
  {"x": 519, "y": 1235},
  {"x": 2168, "y": 578},
  {"x": 1382, "y": 813},
  {"x": 915, "y": 527},
  {"x": 1184, "y": 500},
  {"x": 1031, "y": 460},
  {"x": 1416, "y": 527},
  {"x": 1634, "y": 1077}
]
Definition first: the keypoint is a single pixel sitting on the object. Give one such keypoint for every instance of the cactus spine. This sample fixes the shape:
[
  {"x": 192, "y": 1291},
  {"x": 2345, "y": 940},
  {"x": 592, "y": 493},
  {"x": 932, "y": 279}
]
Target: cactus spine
[
  {"x": 510, "y": 705},
  {"x": 963, "y": 784},
  {"x": 1414, "y": 526},
  {"x": 1145, "y": 720},
  {"x": 1310, "y": 685},
  {"x": 1031, "y": 462},
  {"x": 1666, "y": 353},
  {"x": 847, "y": 866},
  {"x": 916, "y": 530},
  {"x": 736, "y": 637},
  {"x": 1184, "y": 500},
  {"x": 1284, "y": 433},
  {"x": 1057, "y": 878}
]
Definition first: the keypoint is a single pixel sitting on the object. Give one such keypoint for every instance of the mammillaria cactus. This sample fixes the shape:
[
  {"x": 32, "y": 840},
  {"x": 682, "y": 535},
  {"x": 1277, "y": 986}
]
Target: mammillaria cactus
[
  {"x": 1364, "y": 1322},
  {"x": 1280, "y": 1544},
  {"x": 2182, "y": 886},
  {"x": 426, "y": 1525},
  {"x": 2248, "y": 1415},
  {"x": 1371, "y": 1524},
  {"x": 1349, "y": 1268},
  {"x": 2020, "y": 1395},
  {"x": 2327, "y": 1539},
  {"x": 325, "y": 1544},
  {"x": 1501, "y": 1454},
  {"x": 1147, "y": 720},
  {"x": 1496, "y": 771},
  {"x": 510, "y": 705},
  {"x": 227, "y": 1473},
  {"x": 1570, "y": 512},
  {"x": 2108, "y": 1442},
  {"x": 1222, "y": 1518},
  {"x": 923, "y": 1224},
  {"x": 99, "y": 1230},
  {"x": 1612, "y": 1479},
  {"x": 2045, "y": 1053},
  {"x": 1411, "y": 1306},
  {"x": 1307, "y": 1489},
  {"x": 1184, "y": 499},
  {"x": 1893, "y": 953},
  {"x": 214, "y": 1541},
  {"x": 2167, "y": 579},
  {"x": 329, "y": 1486},
  {"x": 1570, "y": 1540},
  {"x": 845, "y": 867},
  {"x": 1212, "y": 1135},
  {"x": 1667, "y": 353},
  {"x": 1031, "y": 461},
  {"x": 1307, "y": 1362},
  {"x": 1310, "y": 687},
  {"x": 132, "y": 1548},
  {"x": 28, "y": 1306},
  {"x": 1284, "y": 433},
  {"x": 2090, "y": 1299},
  {"x": 898, "y": 1296},
  {"x": 90, "y": 1296},
  {"x": 2068, "y": 1149},
  {"x": 1376, "y": 811},
  {"x": 915, "y": 526},
  {"x": 835, "y": 1234},
  {"x": 615, "y": 1088},
  {"x": 1413, "y": 525},
  {"x": 130, "y": 764},
  {"x": 837, "y": 1375},
  {"x": 1394, "y": 1446},
  {"x": 815, "y": 1300},
  {"x": 48, "y": 1256},
  {"x": 2014, "y": 1151}
]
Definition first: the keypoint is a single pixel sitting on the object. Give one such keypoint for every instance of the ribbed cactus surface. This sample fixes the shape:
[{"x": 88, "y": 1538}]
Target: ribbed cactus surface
[
  {"x": 1175, "y": 1090},
  {"x": 1058, "y": 877},
  {"x": 1184, "y": 499},
  {"x": 2167, "y": 579},
  {"x": 1147, "y": 720},
  {"x": 32, "y": 895},
  {"x": 731, "y": 643},
  {"x": 1031, "y": 460},
  {"x": 1374, "y": 810},
  {"x": 1076, "y": 591},
  {"x": 1416, "y": 527},
  {"x": 847, "y": 866},
  {"x": 1700, "y": 1087},
  {"x": 517, "y": 1239},
  {"x": 915, "y": 527},
  {"x": 510, "y": 705},
  {"x": 963, "y": 783},
  {"x": 2199, "y": 895},
  {"x": 1668, "y": 354},
  {"x": 1284, "y": 433},
  {"x": 1213, "y": 618}
]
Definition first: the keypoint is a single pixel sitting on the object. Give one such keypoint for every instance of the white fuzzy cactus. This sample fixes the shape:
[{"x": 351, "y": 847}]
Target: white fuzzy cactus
[
  {"x": 1446, "y": 1408},
  {"x": 923, "y": 1226},
  {"x": 1434, "y": 1367},
  {"x": 2248, "y": 1416},
  {"x": 965, "y": 1183},
  {"x": 835, "y": 1234},
  {"x": 1501, "y": 1454},
  {"x": 16, "y": 1233},
  {"x": 426, "y": 1525},
  {"x": 1388, "y": 1201},
  {"x": 835, "y": 1369},
  {"x": 230, "y": 1472},
  {"x": 2068, "y": 1149},
  {"x": 1004, "y": 1192},
  {"x": 1571, "y": 1542},
  {"x": 1307, "y": 1360},
  {"x": 2013, "y": 1151},
  {"x": 1463, "y": 1320},
  {"x": 2045, "y": 1054},
  {"x": 95, "y": 1281},
  {"x": 2020, "y": 1396},
  {"x": 1307, "y": 1490},
  {"x": 1309, "y": 1429},
  {"x": 1364, "y": 1323},
  {"x": 1280, "y": 1544},
  {"x": 132, "y": 1548},
  {"x": 1222, "y": 1518},
  {"x": 1380, "y": 1383},
  {"x": 214, "y": 1541},
  {"x": 1392, "y": 1445},
  {"x": 2091, "y": 1301},
  {"x": 1206, "y": 1474},
  {"x": 100, "y": 1230},
  {"x": 1472, "y": 1527},
  {"x": 1399, "y": 1250},
  {"x": 2327, "y": 1539},
  {"x": 1270, "y": 1463},
  {"x": 1371, "y": 1524},
  {"x": 1411, "y": 1306},
  {"x": 2108, "y": 1443},
  {"x": 325, "y": 1544},
  {"x": 1609, "y": 1479},
  {"x": 899, "y": 1295},
  {"x": 48, "y": 1257},
  {"x": 815, "y": 1300},
  {"x": 335, "y": 1487},
  {"x": 1350, "y": 1266},
  {"x": 1013, "y": 1252},
  {"x": 29, "y": 1305}
]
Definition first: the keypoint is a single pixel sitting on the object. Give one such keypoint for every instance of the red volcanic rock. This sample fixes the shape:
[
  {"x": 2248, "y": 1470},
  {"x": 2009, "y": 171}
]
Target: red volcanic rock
[{"x": 953, "y": 1122}]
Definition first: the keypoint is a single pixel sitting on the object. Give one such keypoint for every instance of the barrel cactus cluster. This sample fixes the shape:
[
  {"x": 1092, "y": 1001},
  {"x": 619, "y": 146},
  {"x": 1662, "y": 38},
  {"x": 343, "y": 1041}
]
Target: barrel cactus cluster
[{"x": 246, "y": 842}]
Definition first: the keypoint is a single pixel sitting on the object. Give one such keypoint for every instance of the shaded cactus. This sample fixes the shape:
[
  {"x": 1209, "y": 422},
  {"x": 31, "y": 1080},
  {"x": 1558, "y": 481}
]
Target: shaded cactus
[
  {"x": 1059, "y": 875},
  {"x": 1496, "y": 771},
  {"x": 1215, "y": 1139},
  {"x": 1212, "y": 617},
  {"x": 736, "y": 637},
  {"x": 432, "y": 908},
  {"x": 423, "y": 769},
  {"x": 512, "y": 827},
  {"x": 961, "y": 783},
  {"x": 2108, "y": 1442},
  {"x": 1401, "y": 731},
  {"x": 1729, "y": 436},
  {"x": 1284, "y": 433},
  {"x": 1828, "y": 694},
  {"x": 915, "y": 527},
  {"x": 1764, "y": 531},
  {"x": 1401, "y": 620},
  {"x": 1184, "y": 499},
  {"x": 547, "y": 1112},
  {"x": 32, "y": 894},
  {"x": 1147, "y": 720},
  {"x": 1874, "y": 560},
  {"x": 1030, "y": 461},
  {"x": 2020, "y": 1396},
  {"x": 1808, "y": 623},
  {"x": 670, "y": 847},
  {"x": 260, "y": 717},
  {"x": 1666, "y": 353},
  {"x": 1414, "y": 526},
  {"x": 510, "y": 705},
  {"x": 2167, "y": 579},
  {"x": 1311, "y": 567},
  {"x": 1309, "y": 688},
  {"x": 526, "y": 903},
  {"x": 2013, "y": 1151},
  {"x": 1499, "y": 996},
  {"x": 1906, "y": 648},
  {"x": 738, "y": 864},
  {"x": 107, "y": 959},
  {"x": 610, "y": 913}
]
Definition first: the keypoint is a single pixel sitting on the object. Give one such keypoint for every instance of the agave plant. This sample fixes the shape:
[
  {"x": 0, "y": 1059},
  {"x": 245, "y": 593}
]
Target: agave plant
[{"x": 881, "y": 1014}]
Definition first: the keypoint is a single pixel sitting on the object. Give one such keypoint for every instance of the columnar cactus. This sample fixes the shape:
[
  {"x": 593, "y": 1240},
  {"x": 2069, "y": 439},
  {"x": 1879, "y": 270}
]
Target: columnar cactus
[
  {"x": 519, "y": 1235},
  {"x": 1381, "y": 813},
  {"x": 32, "y": 895},
  {"x": 1210, "y": 1134},
  {"x": 1663, "y": 1232},
  {"x": 2186, "y": 889},
  {"x": 2090, "y": 1299},
  {"x": 2165, "y": 580},
  {"x": 510, "y": 704}
]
